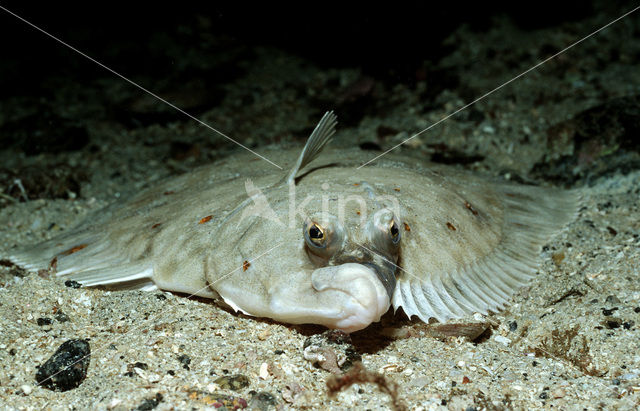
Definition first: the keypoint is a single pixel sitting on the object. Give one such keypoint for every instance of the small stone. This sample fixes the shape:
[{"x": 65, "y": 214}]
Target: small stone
[
  {"x": 72, "y": 284},
  {"x": 221, "y": 401},
  {"x": 331, "y": 350},
  {"x": 612, "y": 299},
  {"x": 558, "y": 393},
  {"x": 608, "y": 311},
  {"x": 502, "y": 340},
  {"x": 636, "y": 310},
  {"x": 513, "y": 326},
  {"x": 61, "y": 317},
  {"x": 67, "y": 367},
  {"x": 264, "y": 371},
  {"x": 185, "y": 360},
  {"x": 232, "y": 382},
  {"x": 262, "y": 400},
  {"x": 543, "y": 395},
  {"x": 26, "y": 389},
  {"x": 613, "y": 323},
  {"x": 44, "y": 321},
  {"x": 149, "y": 403}
]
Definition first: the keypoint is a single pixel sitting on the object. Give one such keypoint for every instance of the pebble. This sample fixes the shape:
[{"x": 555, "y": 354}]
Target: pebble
[
  {"x": 233, "y": 382},
  {"x": 67, "y": 367},
  {"x": 26, "y": 389},
  {"x": 503, "y": 340},
  {"x": 61, "y": 317},
  {"x": 612, "y": 299},
  {"x": 72, "y": 284},
  {"x": 331, "y": 350},
  {"x": 262, "y": 400},
  {"x": 264, "y": 371},
  {"x": 150, "y": 403},
  {"x": 185, "y": 361}
]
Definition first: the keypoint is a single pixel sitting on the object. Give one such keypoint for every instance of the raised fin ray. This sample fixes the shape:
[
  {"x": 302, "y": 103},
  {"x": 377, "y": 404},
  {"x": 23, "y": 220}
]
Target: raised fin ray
[{"x": 320, "y": 136}]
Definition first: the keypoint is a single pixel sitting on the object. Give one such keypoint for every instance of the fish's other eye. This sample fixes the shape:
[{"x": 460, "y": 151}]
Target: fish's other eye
[
  {"x": 394, "y": 231},
  {"x": 316, "y": 236}
]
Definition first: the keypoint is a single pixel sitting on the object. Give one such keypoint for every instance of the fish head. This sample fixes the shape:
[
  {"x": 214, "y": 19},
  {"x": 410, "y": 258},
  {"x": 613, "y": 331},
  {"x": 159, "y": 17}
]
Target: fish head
[{"x": 331, "y": 261}]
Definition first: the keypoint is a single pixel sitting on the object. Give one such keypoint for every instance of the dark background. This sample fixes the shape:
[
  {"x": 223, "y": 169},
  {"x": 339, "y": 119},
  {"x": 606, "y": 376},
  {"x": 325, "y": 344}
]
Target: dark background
[{"x": 387, "y": 40}]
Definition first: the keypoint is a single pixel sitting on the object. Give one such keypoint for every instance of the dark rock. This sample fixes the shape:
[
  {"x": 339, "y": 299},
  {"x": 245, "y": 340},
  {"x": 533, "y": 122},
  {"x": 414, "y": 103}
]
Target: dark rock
[
  {"x": 185, "y": 361},
  {"x": 513, "y": 326},
  {"x": 613, "y": 323},
  {"x": 72, "y": 284},
  {"x": 44, "y": 321},
  {"x": 61, "y": 317},
  {"x": 67, "y": 367},
  {"x": 150, "y": 403}
]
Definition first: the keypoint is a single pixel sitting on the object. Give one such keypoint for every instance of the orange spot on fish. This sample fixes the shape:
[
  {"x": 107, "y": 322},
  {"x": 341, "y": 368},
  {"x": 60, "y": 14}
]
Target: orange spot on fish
[
  {"x": 205, "y": 219},
  {"x": 73, "y": 249},
  {"x": 396, "y": 189},
  {"x": 53, "y": 264},
  {"x": 245, "y": 265},
  {"x": 406, "y": 227},
  {"x": 470, "y": 208},
  {"x": 168, "y": 192},
  {"x": 451, "y": 226},
  {"x": 156, "y": 225}
]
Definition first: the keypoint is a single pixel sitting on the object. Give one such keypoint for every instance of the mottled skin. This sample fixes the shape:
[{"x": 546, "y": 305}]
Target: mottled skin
[{"x": 466, "y": 243}]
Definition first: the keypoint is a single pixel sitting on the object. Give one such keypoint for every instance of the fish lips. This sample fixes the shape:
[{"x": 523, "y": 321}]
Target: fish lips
[{"x": 357, "y": 295}]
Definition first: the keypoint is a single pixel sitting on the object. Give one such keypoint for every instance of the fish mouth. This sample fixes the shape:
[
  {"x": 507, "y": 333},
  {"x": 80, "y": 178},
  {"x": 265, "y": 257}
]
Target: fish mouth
[{"x": 360, "y": 296}]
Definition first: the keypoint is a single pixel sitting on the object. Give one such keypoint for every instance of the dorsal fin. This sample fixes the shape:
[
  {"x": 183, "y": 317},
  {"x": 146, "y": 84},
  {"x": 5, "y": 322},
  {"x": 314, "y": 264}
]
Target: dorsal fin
[{"x": 320, "y": 136}]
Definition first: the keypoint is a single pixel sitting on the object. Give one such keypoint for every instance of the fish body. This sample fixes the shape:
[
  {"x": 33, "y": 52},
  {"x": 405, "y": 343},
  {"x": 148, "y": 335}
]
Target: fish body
[{"x": 326, "y": 243}]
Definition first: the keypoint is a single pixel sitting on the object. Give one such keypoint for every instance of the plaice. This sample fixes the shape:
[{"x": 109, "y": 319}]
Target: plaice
[{"x": 322, "y": 243}]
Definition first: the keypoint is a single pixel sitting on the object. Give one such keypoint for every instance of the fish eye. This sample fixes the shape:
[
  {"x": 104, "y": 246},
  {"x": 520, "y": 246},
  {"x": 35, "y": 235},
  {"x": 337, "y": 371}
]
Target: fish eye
[
  {"x": 394, "y": 231},
  {"x": 315, "y": 235}
]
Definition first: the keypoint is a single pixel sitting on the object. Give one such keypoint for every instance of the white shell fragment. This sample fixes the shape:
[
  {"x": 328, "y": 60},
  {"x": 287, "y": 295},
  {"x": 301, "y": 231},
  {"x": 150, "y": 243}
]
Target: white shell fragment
[{"x": 327, "y": 244}]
